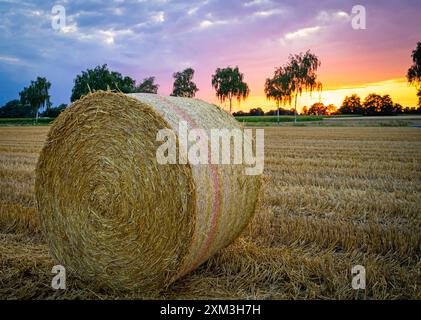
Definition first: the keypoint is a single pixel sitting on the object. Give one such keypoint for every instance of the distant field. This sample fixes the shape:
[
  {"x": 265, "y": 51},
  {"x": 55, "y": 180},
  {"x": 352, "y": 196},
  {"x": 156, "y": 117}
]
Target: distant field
[
  {"x": 337, "y": 120},
  {"x": 25, "y": 121},
  {"x": 275, "y": 118},
  {"x": 291, "y": 118},
  {"x": 335, "y": 197}
]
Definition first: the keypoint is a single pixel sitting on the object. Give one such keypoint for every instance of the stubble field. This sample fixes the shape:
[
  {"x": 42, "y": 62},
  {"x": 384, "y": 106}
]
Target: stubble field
[{"x": 334, "y": 197}]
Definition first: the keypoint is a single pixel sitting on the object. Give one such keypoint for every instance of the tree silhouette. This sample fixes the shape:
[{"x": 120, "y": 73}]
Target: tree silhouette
[
  {"x": 414, "y": 72},
  {"x": 397, "y": 108},
  {"x": 302, "y": 69},
  {"x": 317, "y": 109},
  {"x": 299, "y": 75},
  {"x": 183, "y": 85},
  {"x": 148, "y": 85},
  {"x": 372, "y": 104},
  {"x": 387, "y": 107},
  {"x": 351, "y": 105},
  {"x": 256, "y": 112},
  {"x": 229, "y": 83},
  {"x": 278, "y": 88}
]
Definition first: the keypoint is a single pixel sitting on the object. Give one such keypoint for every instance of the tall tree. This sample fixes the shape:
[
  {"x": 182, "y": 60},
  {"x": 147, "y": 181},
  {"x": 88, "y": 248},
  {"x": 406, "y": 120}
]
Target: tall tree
[
  {"x": 148, "y": 85},
  {"x": 414, "y": 72},
  {"x": 278, "y": 88},
  {"x": 301, "y": 70},
  {"x": 229, "y": 83},
  {"x": 36, "y": 95},
  {"x": 183, "y": 84},
  {"x": 43, "y": 86},
  {"x": 29, "y": 99},
  {"x": 351, "y": 105},
  {"x": 300, "y": 75}
]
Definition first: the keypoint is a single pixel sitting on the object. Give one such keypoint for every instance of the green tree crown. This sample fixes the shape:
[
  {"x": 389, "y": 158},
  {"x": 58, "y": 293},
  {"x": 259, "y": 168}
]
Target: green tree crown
[
  {"x": 228, "y": 83},
  {"x": 100, "y": 78},
  {"x": 183, "y": 84}
]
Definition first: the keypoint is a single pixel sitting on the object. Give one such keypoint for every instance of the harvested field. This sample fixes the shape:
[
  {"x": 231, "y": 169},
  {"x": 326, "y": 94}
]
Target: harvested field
[{"x": 335, "y": 197}]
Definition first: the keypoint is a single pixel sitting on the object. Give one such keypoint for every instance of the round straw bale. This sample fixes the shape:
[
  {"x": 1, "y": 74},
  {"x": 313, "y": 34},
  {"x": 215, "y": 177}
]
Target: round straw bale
[{"x": 112, "y": 214}]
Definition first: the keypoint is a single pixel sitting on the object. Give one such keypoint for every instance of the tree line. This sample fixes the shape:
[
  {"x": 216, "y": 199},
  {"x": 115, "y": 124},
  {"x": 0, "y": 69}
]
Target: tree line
[
  {"x": 289, "y": 81},
  {"x": 372, "y": 105},
  {"x": 36, "y": 95}
]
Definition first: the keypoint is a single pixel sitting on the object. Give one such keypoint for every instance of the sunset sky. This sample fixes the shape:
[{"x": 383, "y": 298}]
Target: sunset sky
[{"x": 156, "y": 38}]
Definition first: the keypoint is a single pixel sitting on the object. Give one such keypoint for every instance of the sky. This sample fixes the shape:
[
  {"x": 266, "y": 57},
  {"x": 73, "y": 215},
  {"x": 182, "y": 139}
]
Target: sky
[{"x": 157, "y": 38}]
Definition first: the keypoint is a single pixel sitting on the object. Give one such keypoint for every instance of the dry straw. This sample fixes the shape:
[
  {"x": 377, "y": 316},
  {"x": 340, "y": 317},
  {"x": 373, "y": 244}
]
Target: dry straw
[{"x": 113, "y": 215}]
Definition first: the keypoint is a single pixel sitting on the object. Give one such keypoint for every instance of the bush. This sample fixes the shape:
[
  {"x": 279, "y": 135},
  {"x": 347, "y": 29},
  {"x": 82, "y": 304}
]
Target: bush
[{"x": 54, "y": 112}]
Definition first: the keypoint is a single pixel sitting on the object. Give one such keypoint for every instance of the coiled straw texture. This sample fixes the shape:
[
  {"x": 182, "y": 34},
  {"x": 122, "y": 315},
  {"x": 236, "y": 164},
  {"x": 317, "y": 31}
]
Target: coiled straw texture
[{"x": 113, "y": 215}]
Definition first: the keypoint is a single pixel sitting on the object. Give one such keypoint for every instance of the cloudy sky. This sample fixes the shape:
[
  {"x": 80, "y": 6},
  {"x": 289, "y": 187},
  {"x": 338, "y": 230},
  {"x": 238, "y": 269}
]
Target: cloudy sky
[{"x": 156, "y": 38}]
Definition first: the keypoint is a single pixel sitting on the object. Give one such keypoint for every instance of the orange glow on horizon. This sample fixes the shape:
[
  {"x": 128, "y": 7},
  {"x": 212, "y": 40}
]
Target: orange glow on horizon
[{"x": 398, "y": 89}]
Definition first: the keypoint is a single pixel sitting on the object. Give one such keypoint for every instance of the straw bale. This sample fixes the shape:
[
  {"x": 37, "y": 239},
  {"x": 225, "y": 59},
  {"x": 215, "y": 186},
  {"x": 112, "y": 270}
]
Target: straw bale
[{"x": 112, "y": 214}]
